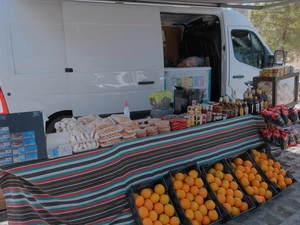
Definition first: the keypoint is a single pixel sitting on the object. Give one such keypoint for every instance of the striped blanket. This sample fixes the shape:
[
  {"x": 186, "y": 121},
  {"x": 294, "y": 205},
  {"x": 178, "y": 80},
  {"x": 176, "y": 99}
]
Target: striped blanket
[{"x": 89, "y": 188}]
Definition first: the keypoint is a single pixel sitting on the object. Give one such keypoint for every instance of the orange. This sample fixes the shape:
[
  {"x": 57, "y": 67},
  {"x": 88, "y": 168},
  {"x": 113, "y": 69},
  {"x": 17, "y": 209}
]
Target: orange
[
  {"x": 219, "y": 174},
  {"x": 238, "y": 161},
  {"x": 253, "y": 171},
  {"x": 189, "y": 181},
  {"x": 247, "y": 170},
  {"x": 264, "y": 168},
  {"x": 153, "y": 215},
  {"x": 247, "y": 163},
  {"x": 199, "y": 182},
  {"x": 282, "y": 172},
  {"x": 288, "y": 181},
  {"x": 180, "y": 194},
  {"x": 258, "y": 198},
  {"x": 198, "y": 216},
  {"x": 244, "y": 207},
  {"x": 210, "y": 178},
  {"x": 205, "y": 220},
  {"x": 157, "y": 222},
  {"x": 154, "y": 197},
  {"x": 217, "y": 181},
  {"x": 251, "y": 177},
  {"x": 213, "y": 215},
  {"x": 235, "y": 211},
  {"x": 221, "y": 198},
  {"x": 230, "y": 200},
  {"x": 245, "y": 182},
  {"x": 256, "y": 159},
  {"x": 264, "y": 185},
  {"x": 193, "y": 174},
  {"x": 135, "y": 195},
  {"x": 255, "y": 183},
  {"x": 203, "y": 192},
  {"x": 255, "y": 189},
  {"x": 185, "y": 188},
  {"x": 263, "y": 155},
  {"x": 228, "y": 207},
  {"x": 146, "y": 193},
  {"x": 258, "y": 177},
  {"x": 276, "y": 170},
  {"x": 158, "y": 207},
  {"x": 241, "y": 168},
  {"x": 190, "y": 196},
  {"x": 254, "y": 151},
  {"x": 194, "y": 190},
  {"x": 219, "y": 167},
  {"x": 203, "y": 209},
  {"x": 143, "y": 212},
  {"x": 268, "y": 194},
  {"x": 194, "y": 206},
  {"x": 277, "y": 165},
  {"x": 229, "y": 192},
  {"x": 221, "y": 190},
  {"x": 233, "y": 185},
  {"x": 211, "y": 171},
  {"x": 270, "y": 162},
  {"x": 239, "y": 174},
  {"x": 189, "y": 214},
  {"x": 147, "y": 221},
  {"x": 245, "y": 175},
  {"x": 159, "y": 189},
  {"x": 249, "y": 190},
  {"x": 228, "y": 177},
  {"x": 148, "y": 204},
  {"x": 261, "y": 191},
  {"x": 199, "y": 199},
  {"x": 169, "y": 210},
  {"x": 281, "y": 184},
  {"x": 274, "y": 180},
  {"x": 177, "y": 184},
  {"x": 185, "y": 203},
  {"x": 280, "y": 177},
  {"x": 233, "y": 165},
  {"x": 179, "y": 176},
  {"x": 174, "y": 221},
  {"x": 237, "y": 202},
  {"x": 209, "y": 204},
  {"x": 258, "y": 154},
  {"x": 164, "y": 199},
  {"x": 238, "y": 194},
  {"x": 164, "y": 219},
  {"x": 214, "y": 186},
  {"x": 263, "y": 162},
  {"x": 139, "y": 201},
  {"x": 225, "y": 184},
  {"x": 195, "y": 222},
  {"x": 270, "y": 168}
]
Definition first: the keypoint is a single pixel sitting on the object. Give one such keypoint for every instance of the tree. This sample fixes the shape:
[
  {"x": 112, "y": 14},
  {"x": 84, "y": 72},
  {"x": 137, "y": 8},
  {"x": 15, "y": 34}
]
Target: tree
[{"x": 280, "y": 28}]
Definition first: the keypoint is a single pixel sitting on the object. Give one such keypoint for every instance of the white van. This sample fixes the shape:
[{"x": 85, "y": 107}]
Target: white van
[{"x": 76, "y": 58}]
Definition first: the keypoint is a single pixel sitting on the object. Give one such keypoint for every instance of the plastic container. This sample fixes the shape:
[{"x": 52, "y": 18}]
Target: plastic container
[
  {"x": 246, "y": 197},
  {"x": 222, "y": 212},
  {"x": 245, "y": 156},
  {"x": 141, "y": 133},
  {"x": 137, "y": 189},
  {"x": 265, "y": 148}
]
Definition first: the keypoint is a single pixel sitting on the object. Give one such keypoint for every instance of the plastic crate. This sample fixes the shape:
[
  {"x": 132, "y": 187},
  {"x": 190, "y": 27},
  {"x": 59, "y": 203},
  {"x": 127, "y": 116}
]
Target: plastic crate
[
  {"x": 265, "y": 148},
  {"x": 137, "y": 189},
  {"x": 222, "y": 212},
  {"x": 246, "y": 198},
  {"x": 245, "y": 156}
]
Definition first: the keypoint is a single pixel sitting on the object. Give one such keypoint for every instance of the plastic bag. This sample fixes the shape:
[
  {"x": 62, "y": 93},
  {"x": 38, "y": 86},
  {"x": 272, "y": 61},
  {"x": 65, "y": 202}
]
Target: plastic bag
[
  {"x": 294, "y": 115},
  {"x": 284, "y": 140},
  {"x": 193, "y": 61}
]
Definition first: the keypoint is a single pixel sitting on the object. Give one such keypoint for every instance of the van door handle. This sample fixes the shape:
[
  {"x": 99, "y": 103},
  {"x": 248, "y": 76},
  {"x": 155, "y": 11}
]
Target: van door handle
[
  {"x": 145, "y": 82},
  {"x": 238, "y": 76}
]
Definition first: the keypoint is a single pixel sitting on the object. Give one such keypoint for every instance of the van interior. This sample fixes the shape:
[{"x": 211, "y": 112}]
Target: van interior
[{"x": 189, "y": 35}]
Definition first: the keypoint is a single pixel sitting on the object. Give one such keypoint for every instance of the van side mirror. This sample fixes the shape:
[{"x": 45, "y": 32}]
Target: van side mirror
[{"x": 279, "y": 57}]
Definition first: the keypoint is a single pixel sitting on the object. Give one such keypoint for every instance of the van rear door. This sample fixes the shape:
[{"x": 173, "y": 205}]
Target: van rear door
[{"x": 246, "y": 52}]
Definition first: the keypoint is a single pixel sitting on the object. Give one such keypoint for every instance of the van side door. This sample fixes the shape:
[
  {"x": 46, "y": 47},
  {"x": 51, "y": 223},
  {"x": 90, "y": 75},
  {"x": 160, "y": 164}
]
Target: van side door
[{"x": 246, "y": 56}]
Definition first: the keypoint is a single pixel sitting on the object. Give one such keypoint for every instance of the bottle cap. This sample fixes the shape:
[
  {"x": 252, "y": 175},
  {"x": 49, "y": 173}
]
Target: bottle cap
[{"x": 126, "y": 103}]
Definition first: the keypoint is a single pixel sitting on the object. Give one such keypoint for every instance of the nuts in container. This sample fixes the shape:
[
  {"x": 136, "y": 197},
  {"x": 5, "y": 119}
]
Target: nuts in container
[
  {"x": 163, "y": 126},
  {"x": 141, "y": 133},
  {"x": 152, "y": 130}
]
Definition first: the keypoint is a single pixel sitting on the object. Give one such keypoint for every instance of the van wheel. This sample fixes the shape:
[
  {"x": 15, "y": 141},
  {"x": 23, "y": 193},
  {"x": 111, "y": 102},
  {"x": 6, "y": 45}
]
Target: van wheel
[{"x": 50, "y": 126}]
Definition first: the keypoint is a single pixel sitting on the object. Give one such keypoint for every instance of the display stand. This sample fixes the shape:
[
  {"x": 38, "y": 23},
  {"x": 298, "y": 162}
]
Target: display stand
[{"x": 275, "y": 81}]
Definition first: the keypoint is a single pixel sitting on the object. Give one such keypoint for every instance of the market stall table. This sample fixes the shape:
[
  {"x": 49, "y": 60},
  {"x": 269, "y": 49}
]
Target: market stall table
[{"x": 89, "y": 188}]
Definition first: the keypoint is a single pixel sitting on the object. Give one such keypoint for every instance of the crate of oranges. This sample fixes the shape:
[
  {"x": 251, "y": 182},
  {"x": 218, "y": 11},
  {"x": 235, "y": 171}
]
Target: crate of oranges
[
  {"x": 247, "y": 172},
  {"x": 227, "y": 190},
  {"x": 192, "y": 196},
  {"x": 150, "y": 204},
  {"x": 271, "y": 167}
]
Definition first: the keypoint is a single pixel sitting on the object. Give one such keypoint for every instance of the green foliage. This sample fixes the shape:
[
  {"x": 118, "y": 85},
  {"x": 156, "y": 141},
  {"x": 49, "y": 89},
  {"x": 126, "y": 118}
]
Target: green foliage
[{"x": 280, "y": 28}]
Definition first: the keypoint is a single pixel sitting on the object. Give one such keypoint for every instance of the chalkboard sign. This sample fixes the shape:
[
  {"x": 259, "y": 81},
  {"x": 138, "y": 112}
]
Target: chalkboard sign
[{"x": 22, "y": 137}]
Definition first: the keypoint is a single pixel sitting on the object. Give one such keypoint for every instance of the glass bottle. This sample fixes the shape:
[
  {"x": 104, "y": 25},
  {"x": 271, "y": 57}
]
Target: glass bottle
[
  {"x": 250, "y": 104},
  {"x": 241, "y": 109},
  {"x": 256, "y": 106},
  {"x": 246, "y": 108}
]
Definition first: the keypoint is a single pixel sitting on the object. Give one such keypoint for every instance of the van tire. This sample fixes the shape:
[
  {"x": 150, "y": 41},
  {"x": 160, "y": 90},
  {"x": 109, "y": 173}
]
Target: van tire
[{"x": 50, "y": 127}]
